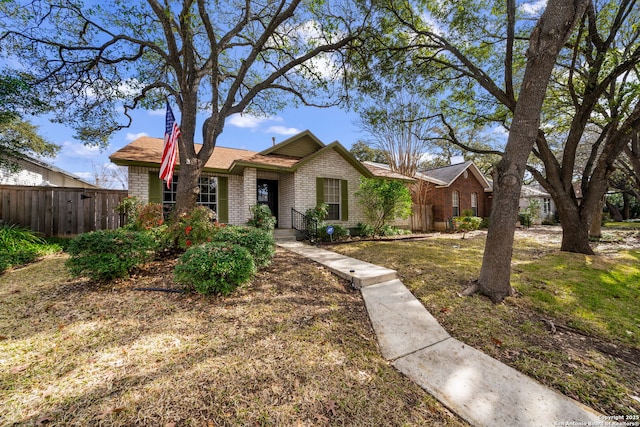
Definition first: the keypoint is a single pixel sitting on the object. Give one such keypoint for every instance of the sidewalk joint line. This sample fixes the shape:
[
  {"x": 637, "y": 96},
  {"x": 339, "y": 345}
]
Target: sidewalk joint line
[{"x": 420, "y": 349}]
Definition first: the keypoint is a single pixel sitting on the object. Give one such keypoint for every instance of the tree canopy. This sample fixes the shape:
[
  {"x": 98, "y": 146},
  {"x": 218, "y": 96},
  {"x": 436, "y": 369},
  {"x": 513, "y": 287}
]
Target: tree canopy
[
  {"x": 99, "y": 62},
  {"x": 18, "y": 137},
  {"x": 484, "y": 65}
]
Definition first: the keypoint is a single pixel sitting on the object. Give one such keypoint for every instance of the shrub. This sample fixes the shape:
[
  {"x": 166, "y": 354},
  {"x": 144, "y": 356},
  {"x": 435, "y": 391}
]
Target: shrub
[
  {"x": 149, "y": 216},
  {"x": 194, "y": 228},
  {"x": 319, "y": 213},
  {"x": 390, "y": 230},
  {"x": 215, "y": 267},
  {"x": 383, "y": 201},
  {"x": 466, "y": 223},
  {"x": 20, "y": 246},
  {"x": 339, "y": 232},
  {"x": 365, "y": 230},
  {"x": 262, "y": 218},
  {"x": 258, "y": 242},
  {"x": 108, "y": 254},
  {"x": 129, "y": 207}
]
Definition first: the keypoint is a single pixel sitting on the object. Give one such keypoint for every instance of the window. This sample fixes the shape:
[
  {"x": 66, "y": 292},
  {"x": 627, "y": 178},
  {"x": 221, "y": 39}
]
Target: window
[
  {"x": 546, "y": 206},
  {"x": 206, "y": 197},
  {"x": 474, "y": 203},
  {"x": 455, "y": 201},
  {"x": 332, "y": 198}
]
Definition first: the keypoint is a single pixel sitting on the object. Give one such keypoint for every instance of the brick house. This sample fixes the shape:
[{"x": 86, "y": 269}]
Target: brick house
[
  {"x": 298, "y": 173},
  {"x": 456, "y": 188}
]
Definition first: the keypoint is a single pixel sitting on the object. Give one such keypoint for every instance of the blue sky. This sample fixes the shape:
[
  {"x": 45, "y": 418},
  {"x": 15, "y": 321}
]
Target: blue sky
[{"x": 248, "y": 132}]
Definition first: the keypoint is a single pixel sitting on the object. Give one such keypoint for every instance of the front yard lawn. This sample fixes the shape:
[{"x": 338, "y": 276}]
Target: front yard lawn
[
  {"x": 294, "y": 347},
  {"x": 575, "y": 325}
]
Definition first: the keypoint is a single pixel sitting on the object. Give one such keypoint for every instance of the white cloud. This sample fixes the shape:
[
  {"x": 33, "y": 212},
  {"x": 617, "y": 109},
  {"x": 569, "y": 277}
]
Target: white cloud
[
  {"x": 133, "y": 136},
  {"x": 249, "y": 121},
  {"x": 78, "y": 150},
  {"x": 160, "y": 112},
  {"x": 282, "y": 130},
  {"x": 87, "y": 176},
  {"x": 534, "y": 8},
  {"x": 500, "y": 131}
]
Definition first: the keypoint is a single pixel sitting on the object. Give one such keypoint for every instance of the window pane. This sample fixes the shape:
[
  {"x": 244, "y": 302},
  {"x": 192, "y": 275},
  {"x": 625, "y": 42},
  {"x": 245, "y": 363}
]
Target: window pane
[
  {"x": 332, "y": 198},
  {"x": 455, "y": 201},
  {"x": 207, "y": 196}
]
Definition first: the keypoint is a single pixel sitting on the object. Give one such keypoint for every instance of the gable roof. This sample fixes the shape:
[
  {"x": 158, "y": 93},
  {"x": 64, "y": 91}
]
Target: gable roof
[
  {"x": 287, "y": 156},
  {"x": 299, "y": 146},
  {"x": 446, "y": 175}
]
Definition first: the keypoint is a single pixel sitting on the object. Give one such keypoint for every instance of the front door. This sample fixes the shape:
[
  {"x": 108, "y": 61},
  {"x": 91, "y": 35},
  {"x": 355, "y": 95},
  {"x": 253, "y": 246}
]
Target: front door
[{"x": 268, "y": 195}]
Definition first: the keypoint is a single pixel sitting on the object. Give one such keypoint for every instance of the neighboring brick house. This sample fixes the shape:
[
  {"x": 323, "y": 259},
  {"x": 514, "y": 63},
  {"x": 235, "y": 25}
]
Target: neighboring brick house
[
  {"x": 457, "y": 188},
  {"x": 297, "y": 173}
]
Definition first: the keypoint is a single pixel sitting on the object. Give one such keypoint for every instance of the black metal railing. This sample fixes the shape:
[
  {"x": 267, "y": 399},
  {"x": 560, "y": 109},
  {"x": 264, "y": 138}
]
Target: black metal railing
[{"x": 305, "y": 224}]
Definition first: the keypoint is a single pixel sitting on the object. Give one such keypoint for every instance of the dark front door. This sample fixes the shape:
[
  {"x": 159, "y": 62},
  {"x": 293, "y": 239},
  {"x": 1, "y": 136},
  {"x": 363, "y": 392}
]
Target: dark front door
[{"x": 268, "y": 195}]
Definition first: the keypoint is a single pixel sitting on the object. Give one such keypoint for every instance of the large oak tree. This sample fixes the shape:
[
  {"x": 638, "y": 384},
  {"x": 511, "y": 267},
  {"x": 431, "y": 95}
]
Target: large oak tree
[
  {"x": 214, "y": 57},
  {"x": 486, "y": 63}
]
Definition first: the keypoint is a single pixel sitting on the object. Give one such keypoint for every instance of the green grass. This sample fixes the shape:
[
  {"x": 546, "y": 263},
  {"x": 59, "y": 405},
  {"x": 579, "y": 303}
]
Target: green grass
[
  {"x": 622, "y": 225},
  {"x": 594, "y": 294},
  {"x": 19, "y": 246},
  {"x": 597, "y": 295}
]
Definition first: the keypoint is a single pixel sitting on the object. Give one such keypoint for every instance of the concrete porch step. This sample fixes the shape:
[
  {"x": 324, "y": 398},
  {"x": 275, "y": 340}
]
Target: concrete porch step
[{"x": 286, "y": 234}]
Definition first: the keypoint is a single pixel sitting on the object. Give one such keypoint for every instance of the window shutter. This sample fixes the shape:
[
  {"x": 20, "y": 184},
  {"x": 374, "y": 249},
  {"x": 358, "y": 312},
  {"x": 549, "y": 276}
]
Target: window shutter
[
  {"x": 155, "y": 188},
  {"x": 319, "y": 191},
  {"x": 344, "y": 200},
  {"x": 223, "y": 199}
]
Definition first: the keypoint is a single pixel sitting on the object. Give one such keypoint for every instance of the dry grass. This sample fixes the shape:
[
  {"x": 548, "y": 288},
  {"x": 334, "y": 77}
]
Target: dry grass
[{"x": 295, "y": 347}]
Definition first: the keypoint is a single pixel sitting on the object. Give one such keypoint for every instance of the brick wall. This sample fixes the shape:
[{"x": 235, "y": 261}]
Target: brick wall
[
  {"x": 138, "y": 181},
  {"x": 237, "y": 213},
  {"x": 329, "y": 165},
  {"x": 286, "y": 195},
  {"x": 139, "y": 187},
  {"x": 442, "y": 199},
  {"x": 296, "y": 190}
]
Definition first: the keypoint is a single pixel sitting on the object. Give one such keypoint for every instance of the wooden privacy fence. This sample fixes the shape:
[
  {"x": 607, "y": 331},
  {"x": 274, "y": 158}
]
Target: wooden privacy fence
[
  {"x": 421, "y": 217},
  {"x": 60, "y": 211}
]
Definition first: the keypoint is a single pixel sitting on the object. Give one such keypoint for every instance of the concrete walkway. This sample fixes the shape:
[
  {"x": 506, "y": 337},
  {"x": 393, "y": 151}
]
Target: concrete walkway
[{"x": 478, "y": 388}]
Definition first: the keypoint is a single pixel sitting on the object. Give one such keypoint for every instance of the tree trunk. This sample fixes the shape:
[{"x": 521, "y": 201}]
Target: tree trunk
[
  {"x": 596, "y": 221},
  {"x": 549, "y": 36},
  {"x": 626, "y": 206},
  {"x": 614, "y": 212},
  {"x": 575, "y": 234},
  {"x": 188, "y": 187}
]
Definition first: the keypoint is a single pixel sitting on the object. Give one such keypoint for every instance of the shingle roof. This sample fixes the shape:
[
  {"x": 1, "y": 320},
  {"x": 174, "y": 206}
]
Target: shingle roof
[
  {"x": 447, "y": 174},
  {"x": 149, "y": 150},
  {"x": 381, "y": 170}
]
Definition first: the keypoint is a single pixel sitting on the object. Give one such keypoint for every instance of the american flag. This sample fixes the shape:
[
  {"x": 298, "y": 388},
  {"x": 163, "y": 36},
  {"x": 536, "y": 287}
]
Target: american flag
[{"x": 171, "y": 134}]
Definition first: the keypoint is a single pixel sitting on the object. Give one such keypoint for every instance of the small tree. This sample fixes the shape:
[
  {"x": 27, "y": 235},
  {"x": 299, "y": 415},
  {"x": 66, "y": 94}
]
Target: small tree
[{"x": 383, "y": 201}]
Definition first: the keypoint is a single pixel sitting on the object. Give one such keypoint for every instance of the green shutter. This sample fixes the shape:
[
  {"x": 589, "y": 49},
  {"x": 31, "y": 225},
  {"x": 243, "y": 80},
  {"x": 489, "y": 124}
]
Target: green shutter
[
  {"x": 223, "y": 199},
  {"x": 155, "y": 188},
  {"x": 319, "y": 191},
  {"x": 344, "y": 200}
]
